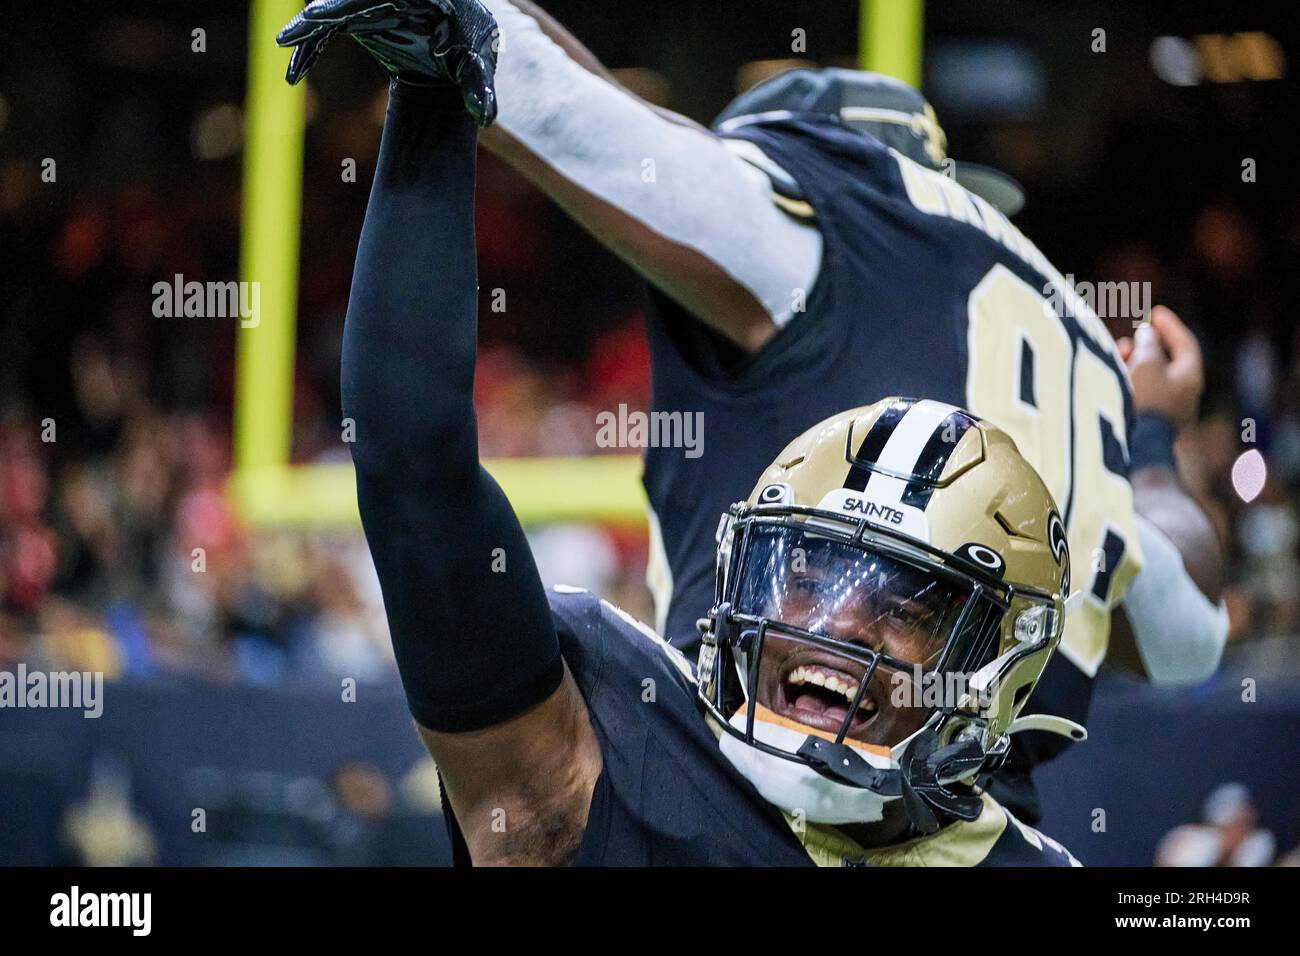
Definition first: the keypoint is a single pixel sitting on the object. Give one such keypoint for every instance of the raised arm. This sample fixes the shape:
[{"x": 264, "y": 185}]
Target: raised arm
[
  {"x": 471, "y": 627},
  {"x": 1170, "y": 621},
  {"x": 658, "y": 190}
]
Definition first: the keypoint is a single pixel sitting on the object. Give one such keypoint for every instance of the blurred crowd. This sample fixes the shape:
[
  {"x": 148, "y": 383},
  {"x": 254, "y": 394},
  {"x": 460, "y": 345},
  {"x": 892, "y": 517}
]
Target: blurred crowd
[{"x": 120, "y": 550}]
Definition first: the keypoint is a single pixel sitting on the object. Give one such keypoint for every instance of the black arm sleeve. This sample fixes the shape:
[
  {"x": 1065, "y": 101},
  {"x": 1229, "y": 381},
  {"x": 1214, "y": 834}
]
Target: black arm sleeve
[{"x": 475, "y": 644}]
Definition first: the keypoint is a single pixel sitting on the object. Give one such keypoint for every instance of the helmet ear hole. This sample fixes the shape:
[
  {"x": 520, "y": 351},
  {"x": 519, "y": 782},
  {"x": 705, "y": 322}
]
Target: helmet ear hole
[{"x": 777, "y": 493}]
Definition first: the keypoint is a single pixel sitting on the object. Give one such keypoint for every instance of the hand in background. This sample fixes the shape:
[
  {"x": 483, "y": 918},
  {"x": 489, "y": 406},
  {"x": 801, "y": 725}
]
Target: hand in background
[{"x": 1165, "y": 366}]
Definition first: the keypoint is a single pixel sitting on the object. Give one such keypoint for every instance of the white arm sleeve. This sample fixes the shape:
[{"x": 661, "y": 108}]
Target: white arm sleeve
[
  {"x": 1180, "y": 634},
  {"x": 680, "y": 182}
]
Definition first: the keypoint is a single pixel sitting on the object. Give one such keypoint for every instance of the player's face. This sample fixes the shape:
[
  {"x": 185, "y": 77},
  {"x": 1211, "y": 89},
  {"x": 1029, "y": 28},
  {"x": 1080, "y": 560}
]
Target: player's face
[{"x": 863, "y": 599}]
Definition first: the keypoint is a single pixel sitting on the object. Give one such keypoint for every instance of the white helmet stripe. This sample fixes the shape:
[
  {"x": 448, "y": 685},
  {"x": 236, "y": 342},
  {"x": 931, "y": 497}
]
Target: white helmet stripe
[{"x": 903, "y": 449}]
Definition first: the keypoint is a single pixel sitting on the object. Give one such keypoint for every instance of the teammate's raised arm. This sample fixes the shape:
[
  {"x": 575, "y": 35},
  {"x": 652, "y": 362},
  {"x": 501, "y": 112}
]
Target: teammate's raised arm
[
  {"x": 661, "y": 192},
  {"x": 475, "y": 644},
  {"x": 1169, "y": 616}
]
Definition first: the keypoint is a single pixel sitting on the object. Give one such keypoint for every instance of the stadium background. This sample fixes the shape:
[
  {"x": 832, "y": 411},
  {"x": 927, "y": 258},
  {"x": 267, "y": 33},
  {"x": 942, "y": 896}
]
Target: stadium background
[{"x": 224, "y": 688}]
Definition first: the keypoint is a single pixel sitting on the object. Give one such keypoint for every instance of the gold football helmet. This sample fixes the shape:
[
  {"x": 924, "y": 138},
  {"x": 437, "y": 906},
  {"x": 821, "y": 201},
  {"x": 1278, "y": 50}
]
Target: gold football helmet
[{"x": 886, "y": 599}]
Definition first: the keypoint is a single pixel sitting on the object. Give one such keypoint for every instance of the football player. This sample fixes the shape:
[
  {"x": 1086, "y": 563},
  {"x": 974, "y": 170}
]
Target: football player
[
  {"x": 807, "y": 255},
  {"x": 887, "y": 596}
]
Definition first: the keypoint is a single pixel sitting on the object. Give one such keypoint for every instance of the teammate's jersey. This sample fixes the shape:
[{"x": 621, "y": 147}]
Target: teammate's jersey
[
  {"x": 924, "y": 291},
  {"x": 667, "y": 796}
]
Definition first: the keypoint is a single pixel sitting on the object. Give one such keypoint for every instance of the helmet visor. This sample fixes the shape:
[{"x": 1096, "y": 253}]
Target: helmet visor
[{"x": 847, "y": 631}]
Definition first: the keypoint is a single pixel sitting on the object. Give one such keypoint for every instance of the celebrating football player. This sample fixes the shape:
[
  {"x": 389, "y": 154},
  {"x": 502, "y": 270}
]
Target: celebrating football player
[
  {"x": 887, "y": 596},
  {"x": 809, "y": 255}
]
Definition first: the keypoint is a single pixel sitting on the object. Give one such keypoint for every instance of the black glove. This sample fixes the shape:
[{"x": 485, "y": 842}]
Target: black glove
[{"x": 422, "y": 42}]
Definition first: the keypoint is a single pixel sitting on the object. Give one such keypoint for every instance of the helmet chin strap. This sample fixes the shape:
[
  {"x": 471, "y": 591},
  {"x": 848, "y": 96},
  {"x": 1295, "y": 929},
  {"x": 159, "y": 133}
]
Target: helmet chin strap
[
  {"x": 840, "y": 786},
  {"x": 800, "y": 788},
  {"x": 841, "y": 762},
  {"x": 922, "y": 779},
  {"x": 926, "y": 767}
]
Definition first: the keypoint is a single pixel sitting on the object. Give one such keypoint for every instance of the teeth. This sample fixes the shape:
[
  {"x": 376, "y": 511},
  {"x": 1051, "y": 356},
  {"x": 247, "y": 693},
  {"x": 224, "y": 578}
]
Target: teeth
[{"x": 810, "y": 675}]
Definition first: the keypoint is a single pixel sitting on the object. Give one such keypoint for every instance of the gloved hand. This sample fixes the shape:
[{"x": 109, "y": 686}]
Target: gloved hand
[{"x": 422, "y": 42}]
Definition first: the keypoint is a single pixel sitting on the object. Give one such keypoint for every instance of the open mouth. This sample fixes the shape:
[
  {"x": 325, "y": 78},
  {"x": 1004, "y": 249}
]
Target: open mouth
[{"x": 818, "y": 695}]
